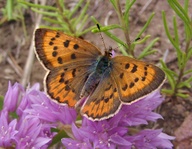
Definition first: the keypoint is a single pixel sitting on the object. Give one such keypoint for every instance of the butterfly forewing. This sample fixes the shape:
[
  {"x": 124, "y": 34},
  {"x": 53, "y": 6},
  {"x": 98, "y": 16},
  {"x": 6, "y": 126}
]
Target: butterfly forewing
[
  {"x": 104, "y": 102},
  {"x": 56, "y": 49},
  {"x": 135, "y": 79}
]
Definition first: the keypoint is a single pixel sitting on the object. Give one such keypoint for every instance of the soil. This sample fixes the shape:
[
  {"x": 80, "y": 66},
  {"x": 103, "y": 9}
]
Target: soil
[{"x": 177, "y": 113}]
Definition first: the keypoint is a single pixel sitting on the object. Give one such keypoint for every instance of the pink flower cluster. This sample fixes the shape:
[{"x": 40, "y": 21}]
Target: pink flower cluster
[{"x": 27, "y": 117}]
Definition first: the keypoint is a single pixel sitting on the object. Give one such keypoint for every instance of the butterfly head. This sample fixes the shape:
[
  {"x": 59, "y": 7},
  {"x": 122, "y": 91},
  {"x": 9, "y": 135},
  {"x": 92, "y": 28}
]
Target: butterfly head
[{"x": 108, "y": 53}]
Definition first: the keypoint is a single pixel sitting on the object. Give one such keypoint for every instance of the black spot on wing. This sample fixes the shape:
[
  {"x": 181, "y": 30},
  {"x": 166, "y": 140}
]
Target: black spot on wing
[
  {"x": 61, "y": 80},
  {"x": 73, "y": 56},
  {"x": 121, "y": 75},
  {"x": 54, "y": 53},
  {"x": 51, "y": 43},
  {"x": 124, "y": 88},
  {"x": 127, "y": 66},
  {"x": 74, "y": 72},
  {"x": 66, "y": 43},
  {"x": 131, "y": 85},
  {"x": 134, "y": 69},
  {"x": 57, "y": 35},
  {"x": 67, "y": 88},
  {"x": 60, "y": 60},
  {"x": 52, "y": 39},
  {"x": 55, "y": 48},
  {"x": 76, "y": 46},
  {"x": 136, "y": 80},
  {"x": 143, "y": 78}
]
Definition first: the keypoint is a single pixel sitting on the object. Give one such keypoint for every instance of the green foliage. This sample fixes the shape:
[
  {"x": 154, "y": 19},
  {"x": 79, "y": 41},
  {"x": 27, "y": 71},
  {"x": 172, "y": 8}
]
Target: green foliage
[
  {"x": 13, "y": 11},
  {"x": 60, "y": 18},
  {"x": 70, "y": 21},
  {"x": 1, "y": 102},
  {"x": 179, "y": 81},
  {"x": 57, "y": 138},
  {"x": 128, "y": 45}
]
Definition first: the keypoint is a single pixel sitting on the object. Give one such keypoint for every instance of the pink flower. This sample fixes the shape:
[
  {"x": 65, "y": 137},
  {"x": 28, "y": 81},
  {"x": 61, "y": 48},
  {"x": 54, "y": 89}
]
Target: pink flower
[
  {"x": 114, "y": 133},
  {"x": 36, "y": 115}
]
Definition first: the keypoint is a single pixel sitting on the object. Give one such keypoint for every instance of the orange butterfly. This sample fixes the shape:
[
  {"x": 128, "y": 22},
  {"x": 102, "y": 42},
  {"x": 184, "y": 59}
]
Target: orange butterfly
[{"x": 76, "y": 69}]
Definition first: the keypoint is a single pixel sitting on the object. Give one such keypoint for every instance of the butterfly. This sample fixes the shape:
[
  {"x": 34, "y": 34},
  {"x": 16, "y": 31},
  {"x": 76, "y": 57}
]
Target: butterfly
[{"x": 79, "y": 75}]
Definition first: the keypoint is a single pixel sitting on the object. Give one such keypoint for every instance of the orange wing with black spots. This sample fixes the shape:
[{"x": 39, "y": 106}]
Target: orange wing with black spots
[
  {"x": 69, "y": 62},
  {"x": 64, "y": 85},
  {"x": 56, "y": 49},
  {"x": 135, "y": 79},
  {"x": 104, "y": 102}
]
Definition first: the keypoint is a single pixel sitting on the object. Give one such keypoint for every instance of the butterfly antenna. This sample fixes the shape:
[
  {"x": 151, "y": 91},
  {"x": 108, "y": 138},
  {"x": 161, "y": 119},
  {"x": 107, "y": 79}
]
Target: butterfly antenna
[{"x": 101, "y": 37}]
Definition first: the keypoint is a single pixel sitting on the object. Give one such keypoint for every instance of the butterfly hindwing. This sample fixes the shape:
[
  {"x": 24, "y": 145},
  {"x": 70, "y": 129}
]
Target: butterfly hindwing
[
  {"x": 135, "y": 79},
  {"x": 64, "y": 85},
  {"x": 104, "y": 102},
  {"x": 56, "y": 49}
]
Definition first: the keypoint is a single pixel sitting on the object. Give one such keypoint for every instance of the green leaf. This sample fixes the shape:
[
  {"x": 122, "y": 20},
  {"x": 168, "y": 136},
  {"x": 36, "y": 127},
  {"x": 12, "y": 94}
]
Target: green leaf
[
  {"x": 169, "y": 35},
  {"x": 57, "y": 138},
  {"x": 106, "y": 28},
  {"x": 51, "y": 14},
  {"x": 61, "y": 4},
  {"x": 184, "y": 84},
  {"x": 176, "y": 35},
  {"x": 122, "y": 49},
  {"x": 1, "y": 102},
  {"x": 181, "y": 61},
  {"x": 182, "y": 95},
  {"x": 82, "y": 24},
  {"x": 13, "y": 115},
  {"x": 95, "y": 21},
  {"x": 77, "y": 6},
  {"x": 183, "y": 15},
  {"x": 109, "y": 34},
  {"x": 9, "y": 9},
  {"x": 86, "y": 31},
  {"x": 188, "y": 71},
  {"x": 37, "y": 6},
  {"x": 52, "y": 21},
  {"x": 141, "y": 41},
  {"x": 82, "y": 14},
  {"x": 115, "y": 38},
  {"x": 146, "y": 25},
  {"x": 114, "y": 3},
  {"x": 169, "y": 74},
  {"x": 146, "y": 54},
  {"x": 128, "y": 6},
  {"x": 189, "y": 80},
  {"x": 167, "y": 91},
  {"x": 189, "y": 54},
  {"x": 147, "y": 50},
  {"x": 179, "y": 10},
  {"x": 56, "y": 28}
]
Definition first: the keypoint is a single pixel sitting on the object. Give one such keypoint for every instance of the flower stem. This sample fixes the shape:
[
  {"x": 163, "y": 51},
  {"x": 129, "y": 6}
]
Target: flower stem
[{"x": 125, "y": 28}]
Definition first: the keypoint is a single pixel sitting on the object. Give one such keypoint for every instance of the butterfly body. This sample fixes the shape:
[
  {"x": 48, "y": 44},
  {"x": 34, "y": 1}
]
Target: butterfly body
[
  {"x": 77, "y": 69},
  {"x": 102, "y": 65}
]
